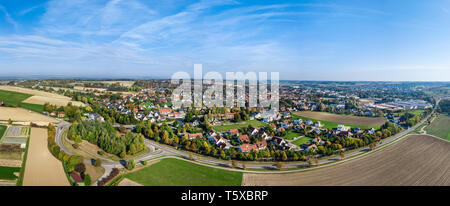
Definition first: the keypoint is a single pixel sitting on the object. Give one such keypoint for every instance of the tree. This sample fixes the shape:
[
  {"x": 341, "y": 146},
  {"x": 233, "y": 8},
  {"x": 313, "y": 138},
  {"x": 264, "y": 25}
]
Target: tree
[
  {"x": 342, "y": 154},
  {"x": 280, "y": 165},
  {"x": 234, "y": 163},
  {"x": 122, "y": 154},
  {"x": 222, "y": 154},
  {"x": 284, "y": 156},
  {"x": 122, "y": 129},
  {"x": 310, "y": 162},
  {"x": 131, "y": 164},
  {"x": 372, "y": 146},
  {"x": 80, "y": 168},
  {"x": 87, "y": 180}
]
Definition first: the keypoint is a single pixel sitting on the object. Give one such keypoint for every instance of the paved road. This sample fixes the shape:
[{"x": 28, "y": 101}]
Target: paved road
[{"x": 159, "y": 151}]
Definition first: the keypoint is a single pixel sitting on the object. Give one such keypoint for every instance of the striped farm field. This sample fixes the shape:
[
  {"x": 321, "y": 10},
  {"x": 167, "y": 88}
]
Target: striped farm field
[
  {"x": 332, "y": 120},
  {"x": 414, "y": 160},
  {"x": 440, "y": 127}
]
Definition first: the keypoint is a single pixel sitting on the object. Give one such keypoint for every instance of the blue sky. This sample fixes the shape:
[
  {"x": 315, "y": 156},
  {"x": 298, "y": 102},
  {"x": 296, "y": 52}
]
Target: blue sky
[{"x": 381, "y": 40}]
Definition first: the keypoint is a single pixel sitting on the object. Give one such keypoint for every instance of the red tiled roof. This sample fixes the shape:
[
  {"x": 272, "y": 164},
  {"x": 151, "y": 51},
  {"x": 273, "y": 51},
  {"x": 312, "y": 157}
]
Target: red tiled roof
[
  {"x": 244, "y": 138},
  {"x": 234, "y": 131},
  {"x": 248, "y": 147}
]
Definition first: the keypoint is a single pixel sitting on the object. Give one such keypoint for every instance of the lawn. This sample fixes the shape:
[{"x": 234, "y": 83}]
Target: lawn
[
  {"x": 302, "y": 140},
  {"x": 291, "y": 135},
  {"x": 174, "y": 172},
  {"x": 7, "y": 173},
  {"x": 332, "y": 125},
  {"x": 254, "y": 123},
  {"x": 33, "y": 107},
  {"x": 2, "y": 130},
  {"x": 440, "y": 127},
  {"x": 12, "y": 98},
  {"x": 414, "y": 112}
]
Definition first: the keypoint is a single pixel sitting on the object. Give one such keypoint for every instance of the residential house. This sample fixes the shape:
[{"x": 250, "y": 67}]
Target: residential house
[
  {"x": 247, "y": 147},
  {"x": 243, "y": 138},
  {"x": 341, "y": 128},
  {"x": 233, "y": 132},
  {"x": 190, "y": 136},
  {"x": 261, "y": 145},
  {"x": 317, "y": 124},
  {"x": 308, "y": 122}
]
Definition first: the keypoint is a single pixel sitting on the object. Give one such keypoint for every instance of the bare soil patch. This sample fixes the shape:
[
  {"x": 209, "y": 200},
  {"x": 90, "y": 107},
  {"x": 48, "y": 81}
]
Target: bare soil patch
[
  {"x": 415, "y": 160},
  {"x": 10, "y": 163},
  {"x": 128, "y": 182},
  {"x": 344, "y": 119},
  {"x": 122, "y": 83},
  {"x": 94, "y": 172},
  {"x": 23, "y": 115},
  {"x": 51, "y": 100},
  {"x": 42, "y": 168}
]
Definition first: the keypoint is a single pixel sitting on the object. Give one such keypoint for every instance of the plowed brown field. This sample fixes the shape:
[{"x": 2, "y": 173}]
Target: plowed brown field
[
  {"x": 415, "y": 160},
  {"x": 344, "y": 119}
]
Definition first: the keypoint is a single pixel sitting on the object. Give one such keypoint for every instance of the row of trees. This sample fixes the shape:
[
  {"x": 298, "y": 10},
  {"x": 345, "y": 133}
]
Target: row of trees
[{"x": 69, "y": 161}]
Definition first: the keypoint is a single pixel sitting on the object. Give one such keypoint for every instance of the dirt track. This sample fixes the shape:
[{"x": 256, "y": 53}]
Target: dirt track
[
  {"x": 415, "y": 160},
  {"x": 42, "y": 169},
  {"x": 344, "y": 119}
]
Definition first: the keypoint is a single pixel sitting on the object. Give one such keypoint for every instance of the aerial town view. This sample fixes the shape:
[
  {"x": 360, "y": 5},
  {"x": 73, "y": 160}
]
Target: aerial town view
[{"x": 224, "y": 93}]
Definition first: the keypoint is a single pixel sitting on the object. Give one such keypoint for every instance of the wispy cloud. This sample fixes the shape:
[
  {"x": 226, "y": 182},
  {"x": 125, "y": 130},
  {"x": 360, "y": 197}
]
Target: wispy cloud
[{"x": 8, "y": 17}]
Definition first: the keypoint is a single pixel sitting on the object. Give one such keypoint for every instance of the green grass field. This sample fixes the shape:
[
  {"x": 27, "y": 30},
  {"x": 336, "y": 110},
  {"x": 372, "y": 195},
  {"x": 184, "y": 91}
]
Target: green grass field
[
  {"x": 2, "y": 130},
  {"x": 414, "y": 112},
  {"x": 33, "y": 107},
  {"x": 302, "y": 140},
  {"x": 174, "y": 172},
  {"x": 7, "y": 173},
  {"x": 291, "y": 135},
  {"x": 12, "y": 98},
  {"x": 440, "y": 127},
  {"x": 254, "y": 123},
  {"x": 331, "y": 125}
]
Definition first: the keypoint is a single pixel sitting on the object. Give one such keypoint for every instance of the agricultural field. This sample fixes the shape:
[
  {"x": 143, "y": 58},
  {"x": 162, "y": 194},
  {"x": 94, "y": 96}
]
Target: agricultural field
[
  {"x": 333, "y": 120},
  {"x": 52, "y": 100},
  {"x": 302, "y": 141},
  {"x": 122, "y": 83},
  {"x": 23, "y": 115},
  {"x": 414, "y": 160},
  {"x": 2, "y": 130},
  {"x": 11, "y": 98},
  {"x": 254, "y": 123},
  {"x": 42, "y": 168},
  {"x": 9, "y": 173},
  {"x": 31, "y": 96},
  {"x": 174, "y": 172},
  {"x": 440, "y": 127},
  {"x": 33, "y": 107}
]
